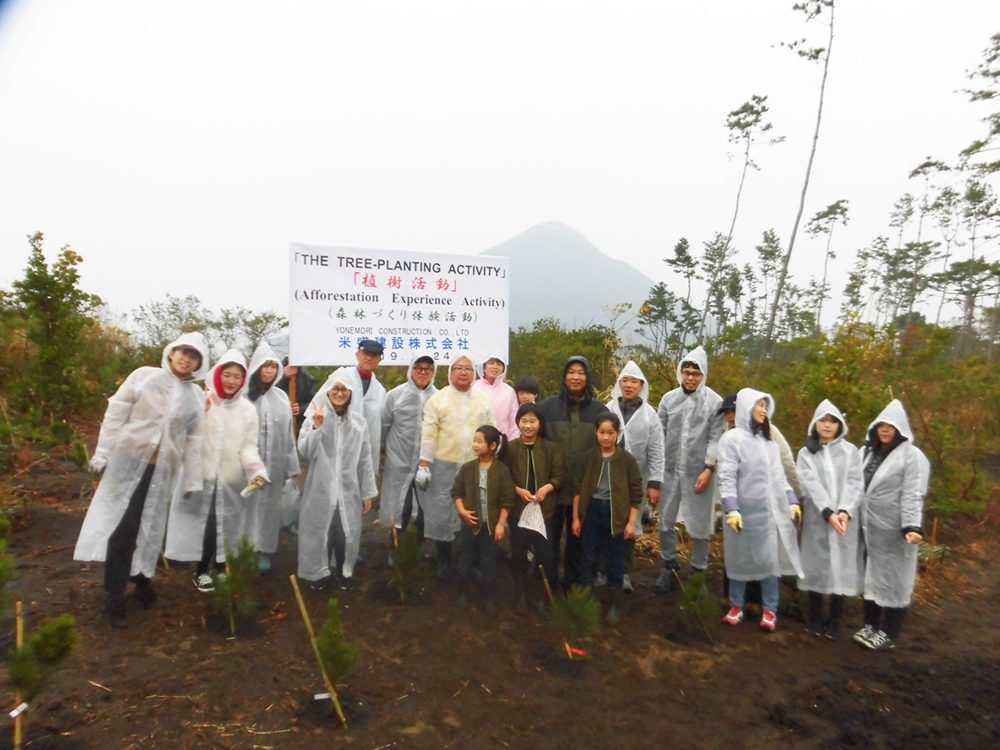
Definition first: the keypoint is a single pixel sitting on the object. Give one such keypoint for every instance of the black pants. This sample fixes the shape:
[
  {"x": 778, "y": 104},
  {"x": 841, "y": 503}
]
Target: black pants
[
  {"x": 816, "y": 606},
  {"x": 522, "y": 540},
  {"x": 889, "y": 619},
  {"x": 563, "y": 519},
  {"x": 408, "y": 505},
  {"x": 336, "y": 543},
  {"x": 478, "y": 550},
  {"x": 209, "y": 544},
  {"x": 121, "y": 543}
]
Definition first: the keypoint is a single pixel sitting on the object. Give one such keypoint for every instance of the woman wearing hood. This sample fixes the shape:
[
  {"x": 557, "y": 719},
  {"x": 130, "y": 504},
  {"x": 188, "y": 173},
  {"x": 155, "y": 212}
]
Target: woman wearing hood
[
  {"x": 402, "y": 414},
  {"x": 895, "y": 473},
  {"x": 205, "y": 525},
  {"x": 829, "y": 470},
  {"x": 340, "y": 484},
  {"x": 570, "y": 419},
  {"x": 276, "y": 445},
  {"x": 642, "y": 436},
  {"x": 149, "y": 445},
  {"x": 502, "y": 395},
  {"x": 451, "y": 418},
  {"x": 761, "y": 508}
]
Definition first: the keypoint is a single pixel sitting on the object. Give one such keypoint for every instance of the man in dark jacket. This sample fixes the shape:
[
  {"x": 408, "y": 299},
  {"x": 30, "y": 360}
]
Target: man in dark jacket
[
  {"x": 305, "y": 389},
  {"x": 569, "y": 420}
]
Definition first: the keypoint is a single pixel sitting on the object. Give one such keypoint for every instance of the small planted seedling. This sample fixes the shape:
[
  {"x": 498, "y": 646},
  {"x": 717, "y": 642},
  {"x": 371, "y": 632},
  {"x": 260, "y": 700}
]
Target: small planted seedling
[
  {"x": 697, "y": 602},
  {"x": 410, "y": 570},
  {"x": 575, "y": 615},
  {"x": 234, "y": 589}
]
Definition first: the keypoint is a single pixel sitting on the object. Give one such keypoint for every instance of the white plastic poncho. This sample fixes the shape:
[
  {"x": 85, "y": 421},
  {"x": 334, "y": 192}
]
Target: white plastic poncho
[
  {"x": 504, "y": 401},
  {"x": 153, "y": 409},
  {"x": 642, "y": 436},
  {"x": 340, "y": 477},
  {"x": 451, "y": 418},
  {"x": 229, "y": 460},
  {"x": 276, "y": 445},
  {"x": 893, "y": 501},
  {"x": 831, "y": 478},
  {"x": 752, "y": 481},
  {"x": 691, "y": 427},
  {"x": 370, "y": 403},
  {"x": 402, "y": 416}
]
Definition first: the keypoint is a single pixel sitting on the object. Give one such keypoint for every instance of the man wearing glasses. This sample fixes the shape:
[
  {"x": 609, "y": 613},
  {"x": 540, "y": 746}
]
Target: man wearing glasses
[{"x": 402, "y": 416}]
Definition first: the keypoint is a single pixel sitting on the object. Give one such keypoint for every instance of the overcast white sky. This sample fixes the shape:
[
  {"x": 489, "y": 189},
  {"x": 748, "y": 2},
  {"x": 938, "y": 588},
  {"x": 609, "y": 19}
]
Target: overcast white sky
[{"x": 180, "y": 147}]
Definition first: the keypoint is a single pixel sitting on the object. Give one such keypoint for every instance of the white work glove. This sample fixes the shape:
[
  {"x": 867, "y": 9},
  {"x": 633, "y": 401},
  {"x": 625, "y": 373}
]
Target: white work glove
[
  {"x": 734, "y": 521},
  {"x": 257, "y": 483},
  {"x": 423, "y": 478},
  {"x": 97, "y": 464}
]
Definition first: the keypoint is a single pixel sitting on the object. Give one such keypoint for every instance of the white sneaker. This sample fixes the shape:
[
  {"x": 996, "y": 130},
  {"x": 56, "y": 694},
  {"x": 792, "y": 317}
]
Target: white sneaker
[
  {"x": 880, "y": 642},
  {"x": 627, "y": 584},
  {"x": 864, "y": 636},
  {"x": 203, "y": 582}
]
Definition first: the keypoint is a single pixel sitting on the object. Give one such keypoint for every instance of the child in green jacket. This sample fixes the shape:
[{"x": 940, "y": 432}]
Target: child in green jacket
[
  {"x": 608, "y": 500},
  {"x": 484, "y": 495}
]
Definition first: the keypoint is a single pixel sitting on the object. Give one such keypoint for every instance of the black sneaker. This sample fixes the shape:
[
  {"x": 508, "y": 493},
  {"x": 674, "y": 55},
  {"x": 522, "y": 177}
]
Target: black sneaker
[
  {"x": 203, "y": 582},
  {"x": 815, "y": 627},
  {"x": 880, "y": 642},
  {"x": 145, "y": 595},
  {"x": 347, "y": 583},
  {"x": 832, "y": 630},
  {"x": 323, "y": 584},
  {"x": 116, "y": 610}
]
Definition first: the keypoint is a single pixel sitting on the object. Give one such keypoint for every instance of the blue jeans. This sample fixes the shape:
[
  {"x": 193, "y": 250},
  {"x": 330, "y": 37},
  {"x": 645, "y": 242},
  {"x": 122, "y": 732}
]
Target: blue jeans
[
  {"x": 597, "y": 539},
  {"x": 768, "y": 591}
]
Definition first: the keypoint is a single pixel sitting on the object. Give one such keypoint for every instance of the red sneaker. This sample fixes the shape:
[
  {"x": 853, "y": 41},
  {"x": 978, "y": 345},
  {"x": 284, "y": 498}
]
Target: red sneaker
[
  {"x": 733, "y": 617},
  {"x": 768, "y": 621}
]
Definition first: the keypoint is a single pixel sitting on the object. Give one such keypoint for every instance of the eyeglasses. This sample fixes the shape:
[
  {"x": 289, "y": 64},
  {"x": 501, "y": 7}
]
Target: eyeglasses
[
  {"x": 461, "y": 368},
  {"x": 340, "y": 389},
  {"x": 692, "y": 373},
  {"x": 425, "y": 368}
]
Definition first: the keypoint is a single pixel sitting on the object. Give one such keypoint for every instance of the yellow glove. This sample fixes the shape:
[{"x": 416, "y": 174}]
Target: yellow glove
[
  {"x": 796, "y": 514},
  {"x": 734, "y": 521},
  {"x": 257, "y": 483}
]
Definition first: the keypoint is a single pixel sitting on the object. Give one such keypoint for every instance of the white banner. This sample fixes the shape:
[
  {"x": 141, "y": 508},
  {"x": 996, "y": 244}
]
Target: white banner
[{"x": 413, "y": 303}]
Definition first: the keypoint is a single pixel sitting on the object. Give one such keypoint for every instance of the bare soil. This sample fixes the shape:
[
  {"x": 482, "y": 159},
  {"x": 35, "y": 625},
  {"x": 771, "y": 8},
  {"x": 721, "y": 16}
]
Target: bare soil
[{"x": 429, "y": 676}]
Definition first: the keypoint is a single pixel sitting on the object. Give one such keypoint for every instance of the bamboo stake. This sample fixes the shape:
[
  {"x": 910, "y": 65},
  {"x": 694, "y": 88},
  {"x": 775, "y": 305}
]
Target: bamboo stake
[
  {"x": 552, "y": 603},
  {"x": 293, "y": 395},
  {"x": 696, "y": 612},
  {"x": 312, "y": 639},
  {"x": 19, "y": 643},
  {"x": 399, "y": 571}
]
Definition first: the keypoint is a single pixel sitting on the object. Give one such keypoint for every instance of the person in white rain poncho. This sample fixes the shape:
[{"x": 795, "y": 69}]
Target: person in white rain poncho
[
  {"x": 642, "y": 436},
  {"x": 896, "y": 474},
  {"x": 829, "y": 470},
  {"x": 451, "y": 418},
  {"x": 369, "y": 393},
  {"x": 276, "y": 445},
  {"x": 502, "y": 395},
  {"x": 761, "y": 509},
  {"x": 402, "y": 417},
  {"x": 340, "y": 485},
  {"x": 205, "y": 525},
  {"x": 692, "y": 427},
  {"x": 150, "y": 442}
]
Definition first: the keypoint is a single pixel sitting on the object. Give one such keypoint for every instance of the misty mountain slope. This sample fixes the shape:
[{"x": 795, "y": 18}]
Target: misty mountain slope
[{"x": 556, "y": 272}]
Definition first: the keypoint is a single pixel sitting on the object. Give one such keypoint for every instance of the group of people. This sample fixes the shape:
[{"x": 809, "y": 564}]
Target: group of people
[{"x": 570, "y": 479}]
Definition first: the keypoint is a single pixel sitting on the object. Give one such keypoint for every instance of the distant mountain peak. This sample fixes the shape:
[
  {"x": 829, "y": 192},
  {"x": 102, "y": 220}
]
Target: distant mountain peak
[{"x": 556, "y": 272}]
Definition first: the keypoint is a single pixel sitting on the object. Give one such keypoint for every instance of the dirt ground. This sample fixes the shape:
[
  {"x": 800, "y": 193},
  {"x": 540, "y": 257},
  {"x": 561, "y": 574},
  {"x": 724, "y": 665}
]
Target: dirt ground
[{"x": 431, "y": 677}]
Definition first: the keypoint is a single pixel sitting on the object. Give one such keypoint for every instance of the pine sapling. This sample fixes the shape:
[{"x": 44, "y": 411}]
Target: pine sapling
[
  {"x": 233, "y": 590},
  {"x": 336, "y": 653},
  {"x": 410, "y": 570},
  {"x": 697, "y": 602},
  {"x": 575, "y": 615}
]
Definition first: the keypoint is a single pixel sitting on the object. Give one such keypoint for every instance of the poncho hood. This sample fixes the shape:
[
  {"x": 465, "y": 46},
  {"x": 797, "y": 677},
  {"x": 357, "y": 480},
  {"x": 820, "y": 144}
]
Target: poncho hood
[
  {"x": 893, "y": 414},
  {"x": 195, "y": 341},
  {"x": 745, "y": 401},
  {"x": 233, "y": 356},
  {"x": 828, "y": 407},
  {"x": 631, "y": 369},
  {"x": 263, "y": 354},
  {"x": 700, "y": 357}
]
